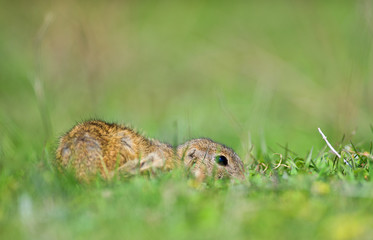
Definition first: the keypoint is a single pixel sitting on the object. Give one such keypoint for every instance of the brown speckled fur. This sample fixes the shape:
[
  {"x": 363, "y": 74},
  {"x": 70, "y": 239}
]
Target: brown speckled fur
[{"x": 98, "y": 147}]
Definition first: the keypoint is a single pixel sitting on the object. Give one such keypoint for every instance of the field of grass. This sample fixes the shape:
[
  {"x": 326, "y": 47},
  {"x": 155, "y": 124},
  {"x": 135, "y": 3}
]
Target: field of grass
[{"x": 257, "y": 76}]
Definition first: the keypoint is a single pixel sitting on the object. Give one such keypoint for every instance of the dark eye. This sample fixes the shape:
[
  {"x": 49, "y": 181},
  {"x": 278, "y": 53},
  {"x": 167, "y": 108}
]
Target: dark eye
[{"x": 221, "y": 160}]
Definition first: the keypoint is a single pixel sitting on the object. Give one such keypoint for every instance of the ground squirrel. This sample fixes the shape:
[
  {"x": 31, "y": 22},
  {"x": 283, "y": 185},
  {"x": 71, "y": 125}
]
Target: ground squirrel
[{"x": 99, "y": 147}]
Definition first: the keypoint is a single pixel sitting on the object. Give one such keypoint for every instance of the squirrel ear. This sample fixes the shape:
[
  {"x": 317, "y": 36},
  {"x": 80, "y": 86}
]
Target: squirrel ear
[
  {"x": 185, "y": 152},
  {"x": 189, "y": 156},
  {"x": 188, "y": 153},
  {"x": 191, "y": 152}
]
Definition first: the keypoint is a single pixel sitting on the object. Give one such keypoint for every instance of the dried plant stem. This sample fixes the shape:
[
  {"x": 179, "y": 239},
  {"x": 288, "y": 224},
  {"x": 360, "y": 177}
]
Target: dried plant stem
[
  {"x": 331, "y": 147},
  {"x": 37, "y": 80}
]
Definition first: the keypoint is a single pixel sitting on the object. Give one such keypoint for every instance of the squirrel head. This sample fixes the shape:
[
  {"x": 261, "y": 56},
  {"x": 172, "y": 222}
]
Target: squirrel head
[{"x": 206, "y": 157}]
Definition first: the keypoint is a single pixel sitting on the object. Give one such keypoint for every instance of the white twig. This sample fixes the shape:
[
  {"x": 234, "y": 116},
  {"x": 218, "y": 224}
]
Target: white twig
[{"x": 331, "y": 147}]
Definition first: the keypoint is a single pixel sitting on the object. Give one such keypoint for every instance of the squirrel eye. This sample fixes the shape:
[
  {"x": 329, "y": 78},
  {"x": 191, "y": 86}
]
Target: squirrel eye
[{"x": 221, "y": 160}]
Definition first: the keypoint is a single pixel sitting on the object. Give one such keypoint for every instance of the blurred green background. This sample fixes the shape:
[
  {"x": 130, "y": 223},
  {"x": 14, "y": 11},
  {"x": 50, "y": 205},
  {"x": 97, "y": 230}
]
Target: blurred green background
[
  {"x": 233, "y": 71},
  {"x": 261, "y": 73}
]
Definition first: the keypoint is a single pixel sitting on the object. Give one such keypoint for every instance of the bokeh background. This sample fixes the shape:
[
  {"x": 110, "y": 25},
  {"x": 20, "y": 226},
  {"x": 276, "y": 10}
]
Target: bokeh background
[{"x": 266, "y": 73}]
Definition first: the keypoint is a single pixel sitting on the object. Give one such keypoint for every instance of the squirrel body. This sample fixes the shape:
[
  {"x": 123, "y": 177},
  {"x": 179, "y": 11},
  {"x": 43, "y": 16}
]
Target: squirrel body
[{"x": 96, "y": 146}]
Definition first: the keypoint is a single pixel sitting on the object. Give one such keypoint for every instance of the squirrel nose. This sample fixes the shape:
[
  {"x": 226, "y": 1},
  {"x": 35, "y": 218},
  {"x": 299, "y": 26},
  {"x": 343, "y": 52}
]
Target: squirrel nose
[{"x": 242, "y": 177}]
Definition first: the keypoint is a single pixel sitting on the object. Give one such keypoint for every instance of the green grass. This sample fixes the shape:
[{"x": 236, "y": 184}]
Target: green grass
[
  {"x": 284, "y": 197},
  {"x": 259, "y": 77}
]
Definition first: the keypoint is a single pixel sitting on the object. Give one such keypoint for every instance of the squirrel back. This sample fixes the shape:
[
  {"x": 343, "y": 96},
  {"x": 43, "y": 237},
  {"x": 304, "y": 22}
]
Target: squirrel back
[{"x": 97, "y": 146}]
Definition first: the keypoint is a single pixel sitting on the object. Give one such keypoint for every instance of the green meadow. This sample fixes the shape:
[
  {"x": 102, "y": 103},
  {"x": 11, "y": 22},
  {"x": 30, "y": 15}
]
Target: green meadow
[{"x": 258, "y": 76}]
